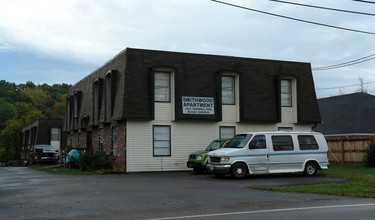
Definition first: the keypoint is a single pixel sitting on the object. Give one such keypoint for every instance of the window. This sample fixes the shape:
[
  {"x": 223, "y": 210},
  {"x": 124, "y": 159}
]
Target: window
[
  {"x": 114, "y": 140},
  {"x": 282, "y": 142},
  {"x": 307, "y": 142},
  {"x": 286, "y": 93},
  {"x": 162, "y": 140},
  {"x": 258, "y": 142},
  {"x": 79, "y": 140},
  {"x": 285, "y": 128},
  {"x": 101, "y": 140},
  {"x": 227, "y": 132},
  {"x": 96, "y": 102},
  {"x": 68, "y": 114},
  {"x": 76, "y": 104},
  {"x": 75, "y": 109},
  {"x": 227, "y": 90},
  {"x": 55, "y": 134},
  {"x": 108, "y": 97},
  {"x": 162, "y": 86}
]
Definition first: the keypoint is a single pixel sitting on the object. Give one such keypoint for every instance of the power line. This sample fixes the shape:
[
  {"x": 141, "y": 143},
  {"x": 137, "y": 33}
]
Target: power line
[
  {"x": 349, "y": 63},
  {"x": 364, "y": 1},
  {"x": 295, "y": 19},
  {"x": 325, "y": 8},
  {"x": 340, "y": 87}
]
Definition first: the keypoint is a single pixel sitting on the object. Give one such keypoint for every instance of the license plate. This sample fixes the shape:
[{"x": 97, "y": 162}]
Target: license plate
[{"x": 211, "y": 168}]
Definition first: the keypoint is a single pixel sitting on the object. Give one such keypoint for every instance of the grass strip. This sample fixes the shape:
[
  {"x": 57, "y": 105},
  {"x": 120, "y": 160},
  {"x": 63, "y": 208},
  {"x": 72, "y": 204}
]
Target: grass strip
[
  {"x": 363, "y": 184},
  {"x": 71, "y": 171}
]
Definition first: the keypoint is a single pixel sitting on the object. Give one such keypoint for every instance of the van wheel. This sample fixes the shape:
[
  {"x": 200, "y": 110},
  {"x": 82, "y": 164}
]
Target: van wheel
[
  {"x": 239, "y": 170},
  {"x": 311, "y": 169}
]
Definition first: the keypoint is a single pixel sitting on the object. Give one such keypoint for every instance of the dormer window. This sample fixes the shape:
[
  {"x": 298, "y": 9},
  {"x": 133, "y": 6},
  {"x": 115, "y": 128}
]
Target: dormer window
[
  {"x": 286, "y": 93},
  {"x": 108, "y": 96},
  {"x": 96, "y": 102},
  {"x": 162, "y": 87}
]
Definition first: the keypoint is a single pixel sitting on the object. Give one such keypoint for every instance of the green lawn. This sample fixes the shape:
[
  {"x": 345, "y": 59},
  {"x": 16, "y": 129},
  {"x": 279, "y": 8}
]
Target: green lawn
[
  {"x": 71, "y": 171},
  {"x": 363, "y": 184}
]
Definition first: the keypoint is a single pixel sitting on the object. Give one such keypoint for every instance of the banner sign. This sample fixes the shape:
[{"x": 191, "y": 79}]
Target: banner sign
[{"x": 198, "y": 105}]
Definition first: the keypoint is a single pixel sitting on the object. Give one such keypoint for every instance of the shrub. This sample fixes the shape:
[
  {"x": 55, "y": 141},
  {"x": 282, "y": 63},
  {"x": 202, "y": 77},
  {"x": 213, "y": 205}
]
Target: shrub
[
  {"x": 369, "y": 158},
  {"x": 95, "y": 161}
]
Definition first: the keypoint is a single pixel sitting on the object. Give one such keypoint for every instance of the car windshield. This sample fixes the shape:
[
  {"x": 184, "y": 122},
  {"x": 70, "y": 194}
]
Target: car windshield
[
  {"x": 239, "y": 141},
  {"x": 45, "y": 147},
  {"x": 214, "y": 145}
]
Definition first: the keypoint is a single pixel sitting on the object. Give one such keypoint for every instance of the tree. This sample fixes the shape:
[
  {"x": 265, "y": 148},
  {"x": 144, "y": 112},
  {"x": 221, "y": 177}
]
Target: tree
[
  {"x": 7, "y": 112},
  {"x": 36, "y": 96},
  {"x": 362, "y": 88},
  {"x": 10, "y": 139}
]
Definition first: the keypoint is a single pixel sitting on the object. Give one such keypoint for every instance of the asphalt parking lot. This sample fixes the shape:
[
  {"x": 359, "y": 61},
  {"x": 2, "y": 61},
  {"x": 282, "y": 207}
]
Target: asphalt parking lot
[{"x": 26, "y": 193}]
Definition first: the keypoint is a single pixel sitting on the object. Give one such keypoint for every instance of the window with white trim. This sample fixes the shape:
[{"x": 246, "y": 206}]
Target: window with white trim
[
  {"x": 227, "y": 131},
  {"x": 162, "y": 87},
  {"x": 286, "y": 93},
  {"x": 55, "y": 134},
  {"x": 227, "y": 90},
  {"x": 162, "y": 140}
]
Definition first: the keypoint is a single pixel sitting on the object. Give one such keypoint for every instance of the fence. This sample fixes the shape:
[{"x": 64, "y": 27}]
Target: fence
[{"x": 347, "y": 149}]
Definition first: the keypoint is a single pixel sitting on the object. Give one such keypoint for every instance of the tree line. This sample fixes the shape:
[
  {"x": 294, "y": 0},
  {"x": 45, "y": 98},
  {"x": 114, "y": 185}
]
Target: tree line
[{"x": 22, "y": 104}]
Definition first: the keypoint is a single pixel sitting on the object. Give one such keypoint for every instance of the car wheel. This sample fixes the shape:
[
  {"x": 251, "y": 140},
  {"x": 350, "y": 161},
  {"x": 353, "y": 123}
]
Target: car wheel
[
  {"x": 311, "y": 169},
  {"x": 239, "y": 170}
]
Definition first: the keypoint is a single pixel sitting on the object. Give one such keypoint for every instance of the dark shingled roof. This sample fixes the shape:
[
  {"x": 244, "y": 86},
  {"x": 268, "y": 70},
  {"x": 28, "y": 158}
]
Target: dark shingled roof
[{"x": 347, "y": 114}]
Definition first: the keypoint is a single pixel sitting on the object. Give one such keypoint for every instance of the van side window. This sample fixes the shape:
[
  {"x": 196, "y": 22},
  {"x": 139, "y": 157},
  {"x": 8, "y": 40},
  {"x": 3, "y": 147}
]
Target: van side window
[
  {"x": 307, "y": 142},
  {"x": 258, "y": 142},
  {"x": 282, "y": 142}
]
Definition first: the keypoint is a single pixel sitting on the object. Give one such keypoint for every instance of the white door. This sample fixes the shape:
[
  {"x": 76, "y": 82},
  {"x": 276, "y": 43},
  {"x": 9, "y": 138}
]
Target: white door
[{"x": 258, "y": 155}]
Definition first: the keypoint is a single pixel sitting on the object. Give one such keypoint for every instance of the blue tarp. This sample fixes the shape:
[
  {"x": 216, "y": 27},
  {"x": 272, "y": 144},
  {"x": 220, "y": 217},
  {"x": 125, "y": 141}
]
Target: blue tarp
[{"x": 73, "y": 156}]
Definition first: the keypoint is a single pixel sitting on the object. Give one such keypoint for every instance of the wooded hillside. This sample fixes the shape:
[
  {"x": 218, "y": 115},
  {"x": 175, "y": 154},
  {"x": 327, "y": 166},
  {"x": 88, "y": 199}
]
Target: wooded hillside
[{"x": 22, "y": 104}]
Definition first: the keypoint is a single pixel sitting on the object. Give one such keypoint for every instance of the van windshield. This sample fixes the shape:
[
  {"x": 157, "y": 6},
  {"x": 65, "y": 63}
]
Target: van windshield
[{"x": 239, "y": 141}]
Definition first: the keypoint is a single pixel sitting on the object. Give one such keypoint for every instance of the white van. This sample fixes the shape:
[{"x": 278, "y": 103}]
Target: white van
[{"x": 270, "y": 152}]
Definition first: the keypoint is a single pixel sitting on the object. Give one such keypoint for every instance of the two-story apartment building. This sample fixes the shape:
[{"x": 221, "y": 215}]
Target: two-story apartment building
[{"x": 152, "y": 108}]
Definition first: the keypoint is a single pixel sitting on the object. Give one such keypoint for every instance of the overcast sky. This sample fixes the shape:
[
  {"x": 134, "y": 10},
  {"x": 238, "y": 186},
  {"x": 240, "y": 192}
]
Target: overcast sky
[{"x": 62, "y": 41}]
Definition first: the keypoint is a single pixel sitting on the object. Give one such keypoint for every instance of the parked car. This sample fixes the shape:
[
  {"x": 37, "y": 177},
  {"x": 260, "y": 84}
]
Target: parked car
[
  {"x": 198, "y": 160},
  {"x": 270, "y": 152},
  {"x": 43, "y": 153}
]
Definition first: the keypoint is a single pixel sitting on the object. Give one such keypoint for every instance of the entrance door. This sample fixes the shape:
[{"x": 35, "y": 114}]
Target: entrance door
[{"x": 258, "y": 157}]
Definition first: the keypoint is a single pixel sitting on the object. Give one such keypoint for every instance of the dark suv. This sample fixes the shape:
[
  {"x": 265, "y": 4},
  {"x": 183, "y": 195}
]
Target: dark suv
[{"x": 43, "y": 153}]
